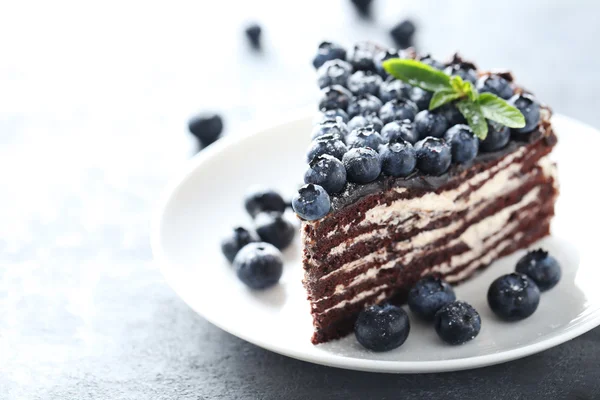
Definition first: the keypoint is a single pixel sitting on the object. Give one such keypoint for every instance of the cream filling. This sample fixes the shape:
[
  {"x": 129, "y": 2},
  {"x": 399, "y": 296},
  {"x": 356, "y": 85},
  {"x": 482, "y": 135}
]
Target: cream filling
[{"x": 358, "y": 298}]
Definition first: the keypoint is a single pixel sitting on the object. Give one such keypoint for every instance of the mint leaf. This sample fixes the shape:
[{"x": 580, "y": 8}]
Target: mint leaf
[
  {"x": 418, "y": 74},
  {"x": 457, "y": 83},
  {"x": 442, "y": 97},
  {"x": 470, "y": 91},
  {"x": 474, "y": 115},
  {"x": 497, "y": 109}
]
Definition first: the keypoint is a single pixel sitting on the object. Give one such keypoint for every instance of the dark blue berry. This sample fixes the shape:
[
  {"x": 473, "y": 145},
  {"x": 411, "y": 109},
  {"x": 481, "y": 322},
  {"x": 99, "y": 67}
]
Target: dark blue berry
[
  {"x": 362, "y": 121},
  {"x": 429, "y": 123},
  {"x": 274, "y": 228},
  {"x": 457, "y": 323},
  {"x": 333, "y": 72},
  {"x": 433, "y": 156},
  {"x": 530, "y": 108},
  {"x": 403, "y": 33},
  {"x": 420, "y": 97},
  {"x": 465, "y": 72},
  {"x": 259, "y": 265},
  {"x": 362, "y": 56},
  {"x": 328, "y": 172},
  {"x": 260, "y": 199},
  {"x": 513, "y": 297},
  {"x": 333, "y": 97},
  {"x": 393, "y": 89},
  {"x": 427, "y": 59},
  {"x": 238, "y": 238},
  {"x": 328, "y": 51},
  {"x": 429, "y": 295},
  {"x": 365, "y": 137},
  {"x": 363, "y": 7},
  {"x": 463, "y": 142},
  {"x": 331, "y": 115},
  {"x": 381, "y": 56},
  {"x": 362, "y": 164},
  {"x": 336, "y": 128},
  {"x": 398, "y": 110},
  {"x": 541, "y": 267},
  {"x": 206, "y": 127},
  {"x": 399, "y": 131},
  {"x": 253, "y": 32},
  {"x": 311, "y": 202},
  {"x": 382, "y": 327},
  {"x": 327, "y": 144},
  {"x": 364, "y": 82},
  {"x": 497, "y": 137},
  {"x": 398, "y": 158},
  {"x": 364, "y": 104},
  {"x": 452, "y": 114},
  {"x": 495, "y": 84}
]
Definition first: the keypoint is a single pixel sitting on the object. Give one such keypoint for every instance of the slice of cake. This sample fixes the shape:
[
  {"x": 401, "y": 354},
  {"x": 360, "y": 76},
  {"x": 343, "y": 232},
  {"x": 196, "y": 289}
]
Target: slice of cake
[{"x": 396, "y": 191}]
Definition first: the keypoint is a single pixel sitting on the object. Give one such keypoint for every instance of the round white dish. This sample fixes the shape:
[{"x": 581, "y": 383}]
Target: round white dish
[{"x": 206, "y": 199}]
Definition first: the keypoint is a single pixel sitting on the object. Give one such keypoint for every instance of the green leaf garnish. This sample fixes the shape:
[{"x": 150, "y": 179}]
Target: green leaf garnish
[
  {"x": 497, "y": 109},
  {"x": 417, "y": 73},
  {"x": 474, "y": 115},
  {"x": 442, "y": 97}
]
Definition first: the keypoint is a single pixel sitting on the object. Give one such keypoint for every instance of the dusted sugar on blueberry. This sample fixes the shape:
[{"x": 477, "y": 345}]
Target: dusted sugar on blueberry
[
  {"x": 457, "y": 323},
  {"x": 393, "y": 89},
  {"x": 362, "y": 56},
  {"x": 327, "y": 144},
  {"x": 429, "y": 123},
  {"x": 328, "y": 172},
  {"x": 530, "y": 109},
  {"x": 452, "y": 114},
  {"x": 398, "y": 159},
  {"x": 420, "y": 97},
  {"x": 382, "y": 327},
  {"x": 259, "y": 265},
  {"x": 333, "y": 97},
  {"x": 206, "y": 127},
  {"x": 463, "y": 143},
  {"x": 497, "y": 137},
  {"x": 429, "y": 295},
  {"x": 364, "y": 82},
  {"x": 364, "y": 104},
  {"x": 334, "y": 72},
  {"x": 433, "y": 156},
  {"x": 541, "y": 267},
  {"x": 398, "y": 110},
  {"x": 365, "y": 137},
  {"x": 362, "y": 164},
  {"x": 335, "y": 128},
  {"x": 399, "y": 131},
  {"x": 363, "y": 121},
  {"x": 328, "y": 51},
  {"x": 513, "y": 297},
  {"x": 311, "y": 202},
  {"x": 495, "y": 84},
  {"x": 274, "y": 228},
  {"x": 333, "y": 115},
  {"x": 381, "y": 56},
  {"x": 260, "y": 199},
  {"x": 236, "y": 240}
]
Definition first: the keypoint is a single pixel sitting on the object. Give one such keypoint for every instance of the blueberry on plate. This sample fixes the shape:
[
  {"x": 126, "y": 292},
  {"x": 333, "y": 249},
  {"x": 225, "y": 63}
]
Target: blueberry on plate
[
  {"x": 428, "y": 296},
  {"x": 365, "y": 137},
  {"x": 430, "y": 123},
  {"x": 397, "y": 110},
  {"x": 399, "y": 131},
  {"x": 206, "y": 127},
  {"x": 541, "y": 267},
  {"x": 328, "y": 172},
  {"x": 452, "y": 114},
  {"x": 433, "y": 156},
  {"x": 311, "y": 202},
  {"x": 427, "y": 59},
  {"x": 328, "y": 51},
  {"x": 327, "y": 144},
  {"x": 364, "y": 104},
  {"x": 403, "y": 33},
  {"x": 336, "y": 128},
  {"x": 253, "y": 32},
  {"x": 331, "y": 115},
  {"x": 333, "y": 97},
  {"x": 362, "y": 164},
  {"x": 260, "y": 199},
  {"x": 513, "y": 297},
  {"x": 497, "y": 137},
  {"x": 259, "y": 265},
  {"x": 463, "y": 143},
  {"x": 333, "y": 72},
  {"x": 398, "y": 158},
  {"x": 465, "y": 72},
  {"x": 235, "y": 240},
  {"x": 362, "y": 56},
  {"x": 420, "y": 97},
  {"x": 363, "y": 7},
  {"x": 457, "y": 323},
  {"x": 381, "y": 56},
  {"x": 362, "y": 121},
  {"x": 495, "y": 84},
  {"x": 272, "y": 227},
  {"x": 363, "y": 82},
  {"x": 530, "y": 108},
  {"x": 382, "y": 327},
  {"x": 392, "y": 89}
]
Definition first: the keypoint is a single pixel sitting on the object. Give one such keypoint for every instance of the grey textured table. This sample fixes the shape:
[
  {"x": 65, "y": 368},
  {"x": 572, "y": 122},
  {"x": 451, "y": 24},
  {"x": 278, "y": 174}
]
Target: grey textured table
[{"x": 94, "y": 100}]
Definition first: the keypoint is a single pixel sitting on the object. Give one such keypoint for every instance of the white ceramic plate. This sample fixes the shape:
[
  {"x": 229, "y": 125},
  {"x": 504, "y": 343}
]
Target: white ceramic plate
[{"x": 205, "y": 200}]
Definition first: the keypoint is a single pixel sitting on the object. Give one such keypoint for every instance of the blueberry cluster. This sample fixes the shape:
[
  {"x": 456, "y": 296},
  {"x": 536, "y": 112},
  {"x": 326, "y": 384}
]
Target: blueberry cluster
[{"x": 371, "y": 123}]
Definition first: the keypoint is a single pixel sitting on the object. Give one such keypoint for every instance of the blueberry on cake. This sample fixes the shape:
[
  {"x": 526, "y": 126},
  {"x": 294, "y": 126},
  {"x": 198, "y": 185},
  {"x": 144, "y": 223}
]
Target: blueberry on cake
[{"x": 417, "y": 168}]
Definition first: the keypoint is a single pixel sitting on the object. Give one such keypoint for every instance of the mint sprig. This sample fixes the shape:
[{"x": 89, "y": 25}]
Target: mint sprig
[{"x": 475, "y": 107}]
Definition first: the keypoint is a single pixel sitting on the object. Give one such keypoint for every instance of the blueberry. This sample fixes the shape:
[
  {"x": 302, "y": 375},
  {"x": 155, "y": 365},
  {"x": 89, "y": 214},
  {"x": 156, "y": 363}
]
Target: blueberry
[
  {"x": 495, "y": 84},
  {"x": 332, "y": 115},
  {"x": 399, "y": 131},
  {"x": 398, "y": 158},
  {"x": 403, "y": 33},
  {"x": 365, "y": 137},
  {"x": 206, "y": 127},
  {"x": 364, "y": 104},
  {"x": 238, "y": 238},
  {"x": 333, "y": 97},
  {"x": 398, "y": 109},
  {"x": 382, "y": 327},
  {"x": 420, "y": 97},
  {"x": 259, "y": 265},
  {"x": 497, "y": 137},
  {"x": 393, "y": 89},
  {"x": 336, "y": 128},
  {"x": 362, "y": 121},
  {"x": 463, "y": 142},
  {"x": 530, "y": 108},
  {"x": 429, "y": 123},
  {"x": 457, "y": 323},
  {"x": 253, "y": 32},
  {"x": 363, "y": 7},
  {"x": 429, "y": 295},
  {"x": 362, "y": 56},
  {"x": 274, "y": 228},
  {"x": 328, "y": 51},
  {"x": 312, "y": 202},
  {"x": 333, "y": 72},
  {"x": 452, "y": 114},
  {"x": 427, "y": 59},
  {"x": 362, "y": 164},
  {"x": 433, "y": 156},
  {"x": 381, "y": 56},
  {"x": 327, "y": 144},
  {"x": 363, "y": 82},
  {"x": 465, "y": 72},
  {"x": 541, "y": 267},
  {"x": 513, "y": 297},
  {"x": 328, "y": 172},
  {"x": 260, "y": 199}
]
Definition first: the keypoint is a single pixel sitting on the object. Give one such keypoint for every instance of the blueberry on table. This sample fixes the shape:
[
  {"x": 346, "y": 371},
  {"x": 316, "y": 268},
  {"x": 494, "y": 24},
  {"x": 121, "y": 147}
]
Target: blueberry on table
[
  {"x": 206, "y": 127},
  {"x": 364, "y": 82},
  {"x": 497, "y": 138},
  {"x": 466, "y": 73},
  {"x": 495, "y": 84},
  {"x": 420, "y": 97},
  {"x": 311, "y": 202},
  {"x": 399, "y": 131},
  {"x": 333, "y": 72},
  {"x": 397, "y": 110},
  {"x": 327, "y": 144},
  {"x": 330, "y": 127},
  {"x": 434, "y": 156},
  {"x": 429, "y": 295},
  {"x": 541, "y": 267},
  {"x": 452, "y": 114},
  {"x": 272, "y": 227},
  {"x": 235, "y": 240},
  {"x": 328, "y": 51},
  {"x": 363, "y": 7},
  {"x": 403, "y": 33},
  {"x": 259, "y": 265},
  {"x": 253, "y": 33},
  {"x": 530, "y": 108},
  {"x": 382, "y": 327},
  {"x": 392, "y": 89},
  {"x": 398, "y": 158},
  {"x": 362, "y": 121},
  {"x": 333, "y": 97},
  {"x": 261, "y": 199},
  {"x": 362, "y": 164},
  {"x": 457, "y": 323},
  {"x": 365, "y": 137},
  {"x": 430, "y": 123},
  {"x": 513, "y": 297},
  {"x": 364, "y": 104},
  {"x": 362, "y": 56},
  {"x": 427, "y": 59},
  {"x": 327, "y": 172},
  {"x": 463, "y": 143}
]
